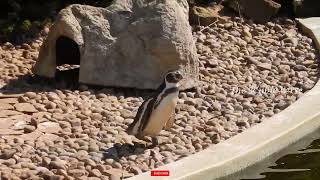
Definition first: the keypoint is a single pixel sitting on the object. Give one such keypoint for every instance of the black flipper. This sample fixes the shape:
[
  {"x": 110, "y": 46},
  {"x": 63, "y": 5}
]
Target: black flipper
[
  {"x": 145, "y": 117},
  {"x": 137, "y": 117}
]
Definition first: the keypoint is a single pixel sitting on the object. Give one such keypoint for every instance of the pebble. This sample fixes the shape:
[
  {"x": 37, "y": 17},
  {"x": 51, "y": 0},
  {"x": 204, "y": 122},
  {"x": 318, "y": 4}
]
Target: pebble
[
  {"x": 135, "y": 170},
  {"x": 220, "y": 97},
  {"x": 77, "y": 172},
  {"x": 251, "y": 60},
  {"x": 29, "y": 129},
  {"x": 264, "y": 66},
  {"x": 6, "y": 106},
  {"x": 25, "y": 107},
  {"x": 89, "y": 162},
  {"x": 7, "y": 153},
  {"x": 31, "y": 95},
  {"x": 216, "y": 106},
  {"x": 300, "y": 68},
  {"x": 85, "y": 127},
  {"x": 57, "y": 164},
  {"x": 95, "y": 173}
]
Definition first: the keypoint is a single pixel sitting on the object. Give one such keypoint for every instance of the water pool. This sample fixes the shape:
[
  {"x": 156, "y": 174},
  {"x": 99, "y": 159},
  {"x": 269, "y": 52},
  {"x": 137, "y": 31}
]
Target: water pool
[{"x": 300, "y": 161}]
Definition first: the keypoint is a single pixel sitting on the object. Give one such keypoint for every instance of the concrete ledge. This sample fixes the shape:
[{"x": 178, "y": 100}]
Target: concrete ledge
[
  {"x": 255, "y": 144},
  {"x": 311, "y": 26}
]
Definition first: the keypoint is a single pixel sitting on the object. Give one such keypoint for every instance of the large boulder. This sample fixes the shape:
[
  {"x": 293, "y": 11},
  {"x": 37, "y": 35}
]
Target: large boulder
[{"x": 131, "y": 43}]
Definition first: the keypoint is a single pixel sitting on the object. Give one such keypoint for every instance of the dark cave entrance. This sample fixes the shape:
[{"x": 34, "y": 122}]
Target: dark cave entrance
[{"x": 67, "y": 61}]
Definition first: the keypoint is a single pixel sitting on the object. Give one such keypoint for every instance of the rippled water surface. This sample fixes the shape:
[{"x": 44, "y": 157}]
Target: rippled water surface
[
  {"x": 304, "y": 164},
  {"x": 300, "y": 161}
]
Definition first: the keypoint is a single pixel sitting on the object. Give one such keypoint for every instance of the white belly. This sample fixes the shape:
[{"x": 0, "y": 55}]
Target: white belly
[{"x": 161, "y": 114}]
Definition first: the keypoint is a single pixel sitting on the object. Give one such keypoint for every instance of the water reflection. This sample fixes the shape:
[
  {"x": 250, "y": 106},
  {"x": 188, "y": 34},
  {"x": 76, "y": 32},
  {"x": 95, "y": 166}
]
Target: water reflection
[
  {"x": 300, "y": 161},
  {"x": 302, "y": 165}
]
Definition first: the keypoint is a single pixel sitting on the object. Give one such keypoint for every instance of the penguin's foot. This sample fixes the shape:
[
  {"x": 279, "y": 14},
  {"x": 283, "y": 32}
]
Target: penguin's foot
[
  {"x": 140, "y": 141},
  {"x": 147, "y": 141},
  {"x": 154, "y": 142}
]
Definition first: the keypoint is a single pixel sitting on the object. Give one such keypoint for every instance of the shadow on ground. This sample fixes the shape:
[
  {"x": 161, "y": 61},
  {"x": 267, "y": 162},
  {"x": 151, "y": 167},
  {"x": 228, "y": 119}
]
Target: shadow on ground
[
  {"x": 123, "y": 150},
  {"x": 64, "y": 80}
]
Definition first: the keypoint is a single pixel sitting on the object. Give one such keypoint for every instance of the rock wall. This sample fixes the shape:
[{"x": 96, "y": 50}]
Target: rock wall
[{"x": 131, "y": 43}]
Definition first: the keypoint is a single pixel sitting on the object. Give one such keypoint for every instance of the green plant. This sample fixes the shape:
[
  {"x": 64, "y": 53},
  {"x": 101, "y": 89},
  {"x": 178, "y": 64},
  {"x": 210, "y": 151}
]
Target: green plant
[
  {"x": 25, "y": 25},
  {"x": 8, "y": 29}
]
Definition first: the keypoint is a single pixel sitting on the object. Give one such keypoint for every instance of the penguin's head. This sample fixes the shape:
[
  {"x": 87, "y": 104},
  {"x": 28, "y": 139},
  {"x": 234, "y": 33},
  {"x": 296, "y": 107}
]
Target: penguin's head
[{"x": 173, "y": 77}]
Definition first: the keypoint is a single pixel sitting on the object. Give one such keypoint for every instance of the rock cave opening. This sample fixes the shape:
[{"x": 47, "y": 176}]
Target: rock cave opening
[{"x": 67, "y": 60}]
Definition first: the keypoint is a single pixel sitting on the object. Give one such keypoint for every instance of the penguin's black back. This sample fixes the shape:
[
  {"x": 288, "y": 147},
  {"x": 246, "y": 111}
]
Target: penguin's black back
[{"x": 147, "y": 113}]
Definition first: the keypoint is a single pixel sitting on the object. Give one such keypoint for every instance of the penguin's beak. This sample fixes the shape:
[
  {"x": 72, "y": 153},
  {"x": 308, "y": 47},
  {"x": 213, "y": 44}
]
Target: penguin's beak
[{"x": 179, "y": 76}]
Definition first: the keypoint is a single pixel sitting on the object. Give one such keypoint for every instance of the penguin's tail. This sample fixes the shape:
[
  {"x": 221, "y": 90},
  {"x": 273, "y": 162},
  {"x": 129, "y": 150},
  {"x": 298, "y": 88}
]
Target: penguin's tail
[{"x": 130, "y": 130}]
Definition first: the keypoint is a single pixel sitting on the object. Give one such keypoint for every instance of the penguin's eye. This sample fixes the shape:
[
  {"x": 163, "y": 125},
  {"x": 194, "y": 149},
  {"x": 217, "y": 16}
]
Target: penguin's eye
[{"x": 170, "y": 77}]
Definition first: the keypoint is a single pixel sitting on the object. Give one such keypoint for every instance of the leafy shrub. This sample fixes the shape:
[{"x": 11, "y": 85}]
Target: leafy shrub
[
  {"x": 26, "y": 17},
  {"x": 21, "y": 17}
]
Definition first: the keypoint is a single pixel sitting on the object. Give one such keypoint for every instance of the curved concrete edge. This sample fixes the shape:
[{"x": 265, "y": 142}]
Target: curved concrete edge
[
  {"x": 311, "y": 26},
  {"x": 253, "y": 145}
]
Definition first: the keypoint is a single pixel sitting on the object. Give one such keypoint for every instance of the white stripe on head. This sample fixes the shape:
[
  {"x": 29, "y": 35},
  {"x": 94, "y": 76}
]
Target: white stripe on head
[
  {"x": 167, "y": 86},
  {"x": 171, "y": 85}
]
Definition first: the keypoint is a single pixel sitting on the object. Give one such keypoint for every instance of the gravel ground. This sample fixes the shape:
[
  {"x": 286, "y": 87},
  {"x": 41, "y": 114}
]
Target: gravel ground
[{"x": 57, "y": 130}]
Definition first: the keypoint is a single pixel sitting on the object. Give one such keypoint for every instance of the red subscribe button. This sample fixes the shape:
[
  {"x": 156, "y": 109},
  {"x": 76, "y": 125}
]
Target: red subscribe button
[{"x": 160, "y": 173}]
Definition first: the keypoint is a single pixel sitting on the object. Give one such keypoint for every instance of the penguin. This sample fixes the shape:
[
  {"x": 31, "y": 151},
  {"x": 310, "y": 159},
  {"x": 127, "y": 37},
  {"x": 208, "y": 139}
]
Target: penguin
[{"x": 157, "y": 111}]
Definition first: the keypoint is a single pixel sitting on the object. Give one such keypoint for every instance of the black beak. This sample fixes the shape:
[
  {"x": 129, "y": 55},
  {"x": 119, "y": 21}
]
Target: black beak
[{"x": 179, "y": 77}]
